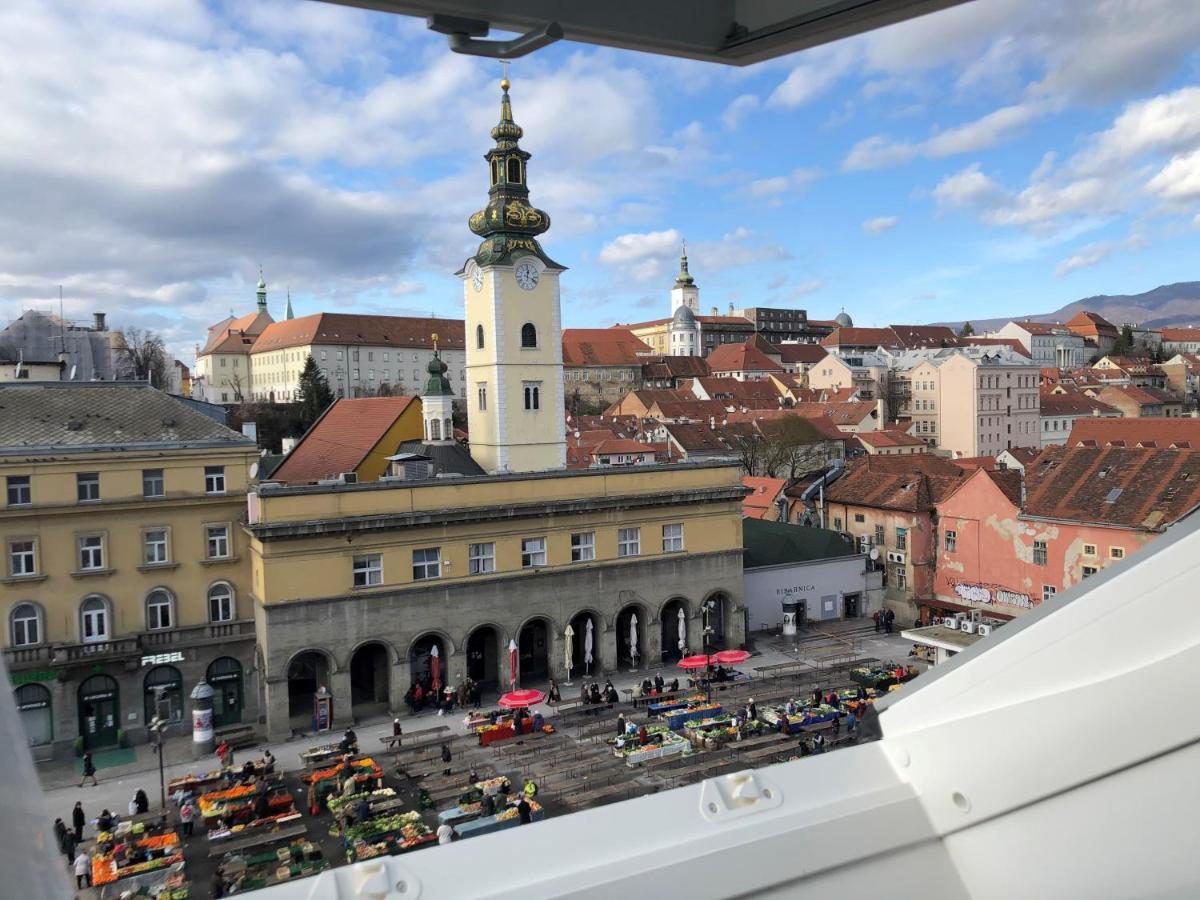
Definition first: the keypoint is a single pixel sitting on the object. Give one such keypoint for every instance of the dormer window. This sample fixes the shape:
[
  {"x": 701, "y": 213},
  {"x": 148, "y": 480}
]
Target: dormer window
[{"x": 514, "y": 170}]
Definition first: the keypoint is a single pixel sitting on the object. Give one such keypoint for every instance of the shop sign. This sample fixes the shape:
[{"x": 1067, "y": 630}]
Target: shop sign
[
  {"x": 33, "y": 704},
  {"x": 30, "y": 677},
  {"x": 101, "y": 695},
  {"x": 159, "y": 659},
  {"x": 796, "y": 589},
  {"x": 227, "y": 676}
]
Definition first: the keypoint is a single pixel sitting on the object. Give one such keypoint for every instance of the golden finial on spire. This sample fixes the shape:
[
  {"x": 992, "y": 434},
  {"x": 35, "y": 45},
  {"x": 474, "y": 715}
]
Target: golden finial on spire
[
  {"x": 434, "y": 336},
  {"x": 504, "y": 82}
]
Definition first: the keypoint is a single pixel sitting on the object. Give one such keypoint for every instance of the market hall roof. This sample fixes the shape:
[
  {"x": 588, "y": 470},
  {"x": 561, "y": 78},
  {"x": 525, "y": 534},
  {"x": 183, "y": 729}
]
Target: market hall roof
[
  {"x": 778, "y": 543},
  {"x": 353, "y": 329},
  {"x": 65, "y": 416}
]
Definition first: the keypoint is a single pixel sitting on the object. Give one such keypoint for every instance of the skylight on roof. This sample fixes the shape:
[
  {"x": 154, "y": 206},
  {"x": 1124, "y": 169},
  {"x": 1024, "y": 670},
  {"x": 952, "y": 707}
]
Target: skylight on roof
[{"x": 1112, "y": 495}]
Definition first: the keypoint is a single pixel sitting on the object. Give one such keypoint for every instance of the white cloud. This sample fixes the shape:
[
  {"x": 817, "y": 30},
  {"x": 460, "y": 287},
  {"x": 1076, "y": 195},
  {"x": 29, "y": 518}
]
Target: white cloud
[
  {"x": 780, "y": 184},
  {"x": 878, "y": 152},
  {"x": 738, "y": 109},
  {"x": 818, "y": 71},
  {"x": 1093, "y": 254},
  {"x": 880, "y": 224},
  {"x": 740, "y": 247},
  {"x": 401, "y": 288},
  {"x": 644, "y": 256},
  {"x": 969, "y": 187},
  {"x": 1179, "y": 179},
  {"x": 803, "y": 289}
]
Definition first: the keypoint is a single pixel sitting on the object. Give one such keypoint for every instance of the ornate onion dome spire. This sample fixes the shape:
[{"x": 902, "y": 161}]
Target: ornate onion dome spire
[
  {"x": 261, "y": 291},
  {"x": 684, "y": 276},
  {"x": 437, "y": 384},
  {"x": 508, "y": 224}
]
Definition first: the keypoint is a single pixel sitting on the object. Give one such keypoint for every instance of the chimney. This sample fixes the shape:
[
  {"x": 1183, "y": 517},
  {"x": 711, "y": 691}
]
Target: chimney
[{"x": 98, "y": 322}]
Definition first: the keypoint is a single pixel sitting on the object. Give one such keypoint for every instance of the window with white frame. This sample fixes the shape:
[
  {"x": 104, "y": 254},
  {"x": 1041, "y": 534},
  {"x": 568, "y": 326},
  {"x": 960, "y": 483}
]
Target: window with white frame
[
  {"x": 22, "y": 558},
  {"x": 901, "y": 538},
  {"x": 673, "y": 538},
  {"x": 900, "y": 577},
  {"x": 152, "y": 483},
  {"x": 220, "y": 603},
  {"x": 25, "y": 625},
  {"x": 214, "y": 479},
  {"x": 159, "y": 610},
  {"x": 217, "y": 536},
  {"x": 1089, "y": 549},
  {"x": 583, "y": 546},
  {"x": 629, "y": 541},
  {"x": 481, "y": 559},
  {"x": 1116, "y": 552},
  {"x": 951, "y": 541},
  {"x": 19, "y": 491},
  {"x": 87, "y": 486},
  {"x": 154, "y": 544},
  {"x": 533, "y": 552},
  {"x": 1039, "y": 553},
  {"x": 93, "y": 619},
  {"x": 368, "y": 570},
  {"x": 91, "y": 552},
  {"x": 427, "y": 563}
]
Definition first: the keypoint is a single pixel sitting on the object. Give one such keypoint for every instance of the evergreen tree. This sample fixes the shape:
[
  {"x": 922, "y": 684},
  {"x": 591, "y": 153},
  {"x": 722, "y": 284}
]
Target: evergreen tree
[
  {"x": 1123, "y": 346},
  {"x": 967, "y": 330},
  {"x": 314, "y": 393}
]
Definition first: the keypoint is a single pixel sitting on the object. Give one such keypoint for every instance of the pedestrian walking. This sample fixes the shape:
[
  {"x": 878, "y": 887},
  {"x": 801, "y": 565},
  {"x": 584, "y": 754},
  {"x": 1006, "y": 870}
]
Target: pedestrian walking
[
  {"x": 65, "y": 838},
  {"x": 620, "y": 724},
  {"x": 89, "y": 771},
  {"x": 446, "y": 757},
  {"x": 83, "y": 873},
  {"x": 555, "y": 695},
  {"x": 876, "y": 617},
  {"x": 187, "y": 813},
  {"x": 78, "y": 820},
  {"x": 142, "y": 801},
  {"x": 888, "y": 618},
  {"x": 524, "y": 811},
  {"x": 132, "y": 808}
]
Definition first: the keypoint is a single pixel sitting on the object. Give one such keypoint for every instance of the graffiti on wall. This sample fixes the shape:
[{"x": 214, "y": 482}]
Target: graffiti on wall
[{"x": 992, "y": 594}]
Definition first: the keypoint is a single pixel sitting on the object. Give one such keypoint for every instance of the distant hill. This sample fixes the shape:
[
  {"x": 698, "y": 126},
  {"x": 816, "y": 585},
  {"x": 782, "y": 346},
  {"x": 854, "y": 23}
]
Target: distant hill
[{"x": 1170, "y": 305}]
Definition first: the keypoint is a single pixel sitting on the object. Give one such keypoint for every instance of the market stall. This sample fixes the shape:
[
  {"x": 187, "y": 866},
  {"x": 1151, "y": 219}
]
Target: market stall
[
  {"x": 709, "y": 733},
  {"x": 321, "y": 756},
  {"x": 695, "y": 710},
  {"x": 255, "y": 827},
  {"x": 380, "y": 801},
  {"x": 236, "y": 804},
  {"x": 114, "y": 859},
  {"x": 660, "y": 741},
  {"x": 169, "y": 883},
  {"x": 386, "y": 835},
  {"x": 198, "y": 783},
  {"x": 877, "y": 677},
  {"x": 252, "y": 870},
  {"x": 806, "y": 714},
  {"x": 507, "y": 818},
  {"x": 469, "y": 802},
  {"x": 366, "y": 771}
]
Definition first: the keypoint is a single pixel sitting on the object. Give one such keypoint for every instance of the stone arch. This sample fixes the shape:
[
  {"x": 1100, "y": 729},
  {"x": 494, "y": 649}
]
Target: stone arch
[
  {"x": 484, "y": 651},
  {"x": 369, "y": 666},
  {"x": 668, "y": 619},
  {"x": 719, "y": 616},
  {"x": 535, "y": 638},
  {"x": 392, "y": 652},
  {"x": 599, "y": 626},
  {"x": 420, "y": 657},
  {"x": 622, "y": 625},
  {"x": 307, "y": 671}
]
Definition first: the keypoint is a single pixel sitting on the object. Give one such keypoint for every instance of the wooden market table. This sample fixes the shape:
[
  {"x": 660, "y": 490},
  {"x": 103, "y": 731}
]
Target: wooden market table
[{"x": 261, "y": 839}]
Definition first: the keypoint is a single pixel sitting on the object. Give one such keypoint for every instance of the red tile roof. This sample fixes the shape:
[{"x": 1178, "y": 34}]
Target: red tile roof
[
  {"x": 1072, "y": 403},
  {"x": 912, "y": 483},
  {"x": 362, "y": 330},
  {"x": 238, "y": 335},
  {"x": 1092, "y": 325},
  {"x": 1180, "y": 335},
  {"x": 732, "y": 389},
  {"x": 852, "y": 412},
  {"x": 603, "y": 347},
  {"x": 763, "y": 494},
  {"x": 971, "y": 463},
  {"x": 889, "y": 439},
  {"x": 341, "y": 439},
  {"x": 1133, "y": 487},
  {"x": 859, "y": 337},
  {"x": 1134, "y": 430},
  {"x": 741, "y": 358},
  {"x": 675, "y": 367},
  {"x": 1143, "y": 396}
]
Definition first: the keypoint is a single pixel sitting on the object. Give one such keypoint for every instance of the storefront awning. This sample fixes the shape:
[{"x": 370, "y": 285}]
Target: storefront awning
[{"x": 951, "y": 607}]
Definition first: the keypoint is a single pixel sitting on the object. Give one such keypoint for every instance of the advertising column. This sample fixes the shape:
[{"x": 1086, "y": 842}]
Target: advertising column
[{"x": 202, "y": 720}]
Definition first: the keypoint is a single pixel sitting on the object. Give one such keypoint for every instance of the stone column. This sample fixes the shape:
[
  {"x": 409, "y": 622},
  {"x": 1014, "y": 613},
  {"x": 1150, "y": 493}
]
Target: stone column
[
  {"x": 607, "y": 641},
  {"x": 279, "y": 726},
  {"x": 399, "y": 680},
  {"x": 554, "y": 656},
  {"x": 339, "y": 688},
  {"x": 652, "y": 644}
]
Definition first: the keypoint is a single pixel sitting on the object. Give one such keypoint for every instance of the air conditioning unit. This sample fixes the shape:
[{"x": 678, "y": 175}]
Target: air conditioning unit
[
  {"x": 950, "y": 622},
  {"x": 895, "y": 556},
  {"x": 968, "y": 626},
  {"x": 983, "y": 630}
]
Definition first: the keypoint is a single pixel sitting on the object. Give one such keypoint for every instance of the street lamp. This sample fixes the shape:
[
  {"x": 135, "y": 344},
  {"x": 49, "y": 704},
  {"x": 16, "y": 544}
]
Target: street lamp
[
  {"x": 157, "y": 725},
  {"x": 709, "y": 606}
]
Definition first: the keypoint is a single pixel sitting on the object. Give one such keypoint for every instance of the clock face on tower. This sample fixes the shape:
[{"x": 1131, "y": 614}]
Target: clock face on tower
[
  {"x": 477, "y": 279},
  {"x": 527, "y": 276}
]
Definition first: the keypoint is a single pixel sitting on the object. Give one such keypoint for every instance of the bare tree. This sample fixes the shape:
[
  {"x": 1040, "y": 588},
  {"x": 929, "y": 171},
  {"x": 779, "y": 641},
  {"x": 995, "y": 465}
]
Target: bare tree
[
  {"x": 142, "y": 356},
  {"x": 235, "y": 385}
]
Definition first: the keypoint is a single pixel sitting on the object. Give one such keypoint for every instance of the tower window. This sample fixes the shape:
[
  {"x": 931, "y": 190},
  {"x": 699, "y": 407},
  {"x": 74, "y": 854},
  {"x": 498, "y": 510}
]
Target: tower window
[
  {"x": 478, "y": 337},
  {"x": 533, "y": 392},
  {"x": 528, "y": 336},
  {"x": 514, "y": 170},
  {"x": 495, "y": 171},
  {"x": 435, "y": 430},
  {"x": 482, "y": 396}
]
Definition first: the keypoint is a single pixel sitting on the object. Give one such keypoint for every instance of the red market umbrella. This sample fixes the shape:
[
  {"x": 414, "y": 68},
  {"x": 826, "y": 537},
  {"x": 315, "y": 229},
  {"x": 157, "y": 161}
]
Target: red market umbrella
[
  {"x": 435, "y": 666},
  {"x": 523, "y": 697},
  {"x": 693, "y": 662},
  {"x": 730, "y": 657}
]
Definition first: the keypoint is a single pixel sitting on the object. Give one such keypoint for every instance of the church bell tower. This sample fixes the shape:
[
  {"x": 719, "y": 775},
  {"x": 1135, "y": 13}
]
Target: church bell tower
[{"x": 513, "y": 324}]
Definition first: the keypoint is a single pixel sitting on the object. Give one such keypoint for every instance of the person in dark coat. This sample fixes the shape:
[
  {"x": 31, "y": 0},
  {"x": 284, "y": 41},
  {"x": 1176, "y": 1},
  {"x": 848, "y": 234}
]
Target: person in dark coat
[
  {"x": 620, "y": 724},
  {"x": 752, "y": 710},
  {"x": 888, "y": 618},
  {"x": 362, "y": 812},
  {"x": 216, "y": 887},
  {"x": 105, "y": 821},
  {"x": 261, "y": 807},
  {"x": 487, "y": 806},
  {"x": 89, "y": 771},
  {"x": 78, "y": 819},
  {"x": 65, "y": 838},
  {"x": 141, "y": 801},
  {"x": 524, "y": 811},
  {"x": 446, "y": 758}
]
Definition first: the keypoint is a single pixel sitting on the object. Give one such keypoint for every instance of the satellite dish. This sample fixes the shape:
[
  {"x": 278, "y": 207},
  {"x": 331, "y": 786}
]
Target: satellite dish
[
  {"x": 874, "y": 550},
  {"x": 254, "y": 470},
  {"x": 71, "y": 377}
]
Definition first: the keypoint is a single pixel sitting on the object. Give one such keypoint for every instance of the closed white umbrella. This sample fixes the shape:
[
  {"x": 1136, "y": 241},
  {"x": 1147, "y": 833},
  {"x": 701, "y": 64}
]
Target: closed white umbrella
[
  {"x": 587, "y": 647},
  {"x": 682, "y": 630},
  {"x": 569, "y": 650},
  {"x": 633, "y": 647}
]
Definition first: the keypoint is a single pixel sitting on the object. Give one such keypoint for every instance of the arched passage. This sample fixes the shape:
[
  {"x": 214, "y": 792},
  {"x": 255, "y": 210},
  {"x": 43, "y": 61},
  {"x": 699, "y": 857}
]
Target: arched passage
[
  {"x": 533, "y": 648},
  {"x": 224, "y": 675},
  {"x": 676, "y": 636},
  {"x": 306, "y": 672},
  {"x": 631, "y": 651},
  {"x": 483, "y": 656},
  {"x": 163, "y": 694},
  {"x": 421, "y": 660},
  {"x": 716, "y": 611},
  {"x": 579, "y": 642},
  {"x": 369, "y": 680}
]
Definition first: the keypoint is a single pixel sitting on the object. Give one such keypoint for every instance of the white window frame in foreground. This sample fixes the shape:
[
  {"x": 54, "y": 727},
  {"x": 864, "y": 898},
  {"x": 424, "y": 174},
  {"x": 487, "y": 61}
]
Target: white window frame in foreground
[
  {"x": 367, "y": 570},
  {"x": 481, "y": 558},
  {"x": 427, "y": 563},
  {"x": 533, "y": 552},
  {"x": 672, "y": 535},
  {"x": 583, "y": 546},
  {"x": 629, "y": 542}
]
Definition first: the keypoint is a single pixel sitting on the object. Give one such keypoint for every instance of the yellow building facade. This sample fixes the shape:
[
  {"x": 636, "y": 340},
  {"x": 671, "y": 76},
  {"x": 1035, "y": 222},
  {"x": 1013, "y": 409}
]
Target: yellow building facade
[{"x": 126, "y": 568}]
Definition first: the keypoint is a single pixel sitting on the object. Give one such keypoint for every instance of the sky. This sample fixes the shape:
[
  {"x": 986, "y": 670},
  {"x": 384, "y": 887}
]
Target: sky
[{"x": 999, "y": 158}]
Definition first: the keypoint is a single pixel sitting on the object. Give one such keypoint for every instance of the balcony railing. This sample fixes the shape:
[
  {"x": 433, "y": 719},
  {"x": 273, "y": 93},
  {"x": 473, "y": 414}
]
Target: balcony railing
[{"x": 147, "y": 641}]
